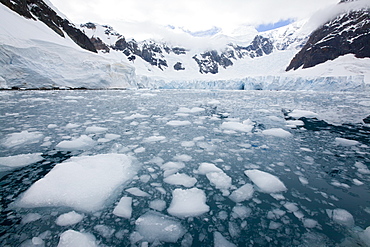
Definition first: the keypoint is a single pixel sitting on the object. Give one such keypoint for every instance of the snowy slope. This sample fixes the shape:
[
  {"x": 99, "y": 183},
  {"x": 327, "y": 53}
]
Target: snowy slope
[{"x": 34, "y": 56}]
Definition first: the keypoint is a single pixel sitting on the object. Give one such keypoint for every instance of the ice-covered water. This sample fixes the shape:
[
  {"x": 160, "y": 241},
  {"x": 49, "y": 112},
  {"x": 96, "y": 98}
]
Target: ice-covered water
[{"x": 184, "y": 168}]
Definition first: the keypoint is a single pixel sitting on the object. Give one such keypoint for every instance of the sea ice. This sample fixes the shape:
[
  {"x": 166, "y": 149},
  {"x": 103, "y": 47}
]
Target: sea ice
[
  {"x": 178, "y": 123},
  {"x": 172, "y": 167},
  {"x": 104, "y": 231},
  {"x": 137, "y": 192},
  {"x": 220, "y": 180},
  {"x": 221, "y": 241},
  {"x": 266, "y": 182},
  {"x": 180, "y": 179},
  {"x": 95, "y": 130},
  {"x": 123, "y": 208},
  {"x": 309, "y": 223},
  {"x": 73, "y": 238},
  {"x": 135, "y": 116},
  {"x": 154, "y": 226},
  {"x": 183, "y": 157},
  {"x": 245, "y": 192},
  {"x": 16, "y": 161},
  {"x": 152, "y": 139},
  {"x": 345, "y": 142},
  {"x": 205, "y": 168},
  {"x": 70, "y": 218},
  {"x": 242, "y": 127},
  {"x": 22, "y": 138},
  {"x": 192, "y": 110},
  {"x": 84, "y": 142},
  {"x": 341, "y": 216},
  {"x": 85, "y": 182},
  {"x": 302, "y": 113},
  {"x": 188, "y": 203},
  {"x": 157, "y": 204},
  {"x": 30, "y": 218},
  {"x": 277, "y": 132}
]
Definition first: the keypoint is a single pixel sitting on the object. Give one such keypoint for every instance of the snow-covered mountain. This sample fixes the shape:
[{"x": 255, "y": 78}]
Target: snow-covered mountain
[{"x": 40, "y": 48}]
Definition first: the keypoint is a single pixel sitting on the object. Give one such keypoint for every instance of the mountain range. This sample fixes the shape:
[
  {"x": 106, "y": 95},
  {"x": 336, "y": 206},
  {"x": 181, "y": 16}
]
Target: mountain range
[{"x": 41, "y": 48}]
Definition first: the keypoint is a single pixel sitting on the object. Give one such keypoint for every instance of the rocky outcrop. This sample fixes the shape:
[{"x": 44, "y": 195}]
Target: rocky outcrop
[
  {"x": 37, "y": 9},
  {"x": 349, "y": 33}
]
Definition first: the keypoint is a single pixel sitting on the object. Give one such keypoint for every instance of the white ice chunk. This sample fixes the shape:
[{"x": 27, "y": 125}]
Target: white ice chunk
[
  {"x": 30, "y": 218},
  {"x": 205, "y": 168},
  {"x": 242, "y": 127},
  {"x": 294, "y": 123},
  {"x": 187, "y": 144},
  {"x": 274, "y": 225},
  {"x": 157, "y": 204},
  {"x": 220, "y": 180},
  {"x": 365, "y": 236},
  {"x": 277, "y": 132},
  {"x": 221, "y": 241},
  {"x": 292, "y": 207},
  {"x": 302, "y": 113},
  {"x": 245, "y": 192},
  {"x": 178, "y": 123},
  {"x": 22, "y": 138},
  {"x": 104, "y": 231},
  {"x": 183, "y": 157},
  {"x": 158, "y": 227},
  {"x": 362, "y": 168},
  {"x": 266, "y": 182},
  {"x": 95, "y": 130},
  {"x": 135, "y": 116},
  {"x": 180, "y": 179},
  {"x": 124, "y": 208},
  {"x": 192, "y": 110},
  {"x": 241, "y": 212},
  {"x": 172, "y": 167},
  {"x": 72, "y": 238},
  {"x": 69, "y": 218},
  {"x": 52, "y": 126},
  {"x": 137, "y": 192},
  {"x": 84, "y": 183},
  {"x": 345, "y": 142},
  {"x": 309, "y": 223},
  {"x": 341, "y": 216},
  {"x": 71, "y": 126},
  {"x": 188, "y": 203},
  {"x": 16, "y": 161},
  {"x": 152, "y": 139},
  {"x": 84, "y": 142}
]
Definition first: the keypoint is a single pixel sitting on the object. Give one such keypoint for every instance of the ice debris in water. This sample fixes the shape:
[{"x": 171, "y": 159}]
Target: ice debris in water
[
  {"x": 22, "y": 138},
  {"x": 137, "y": 192},
  {"x": 69, "y": 218},
  {"x": 302, "y": 113},
  {"x": 244, "y": 193},
  {"x": 178, "y": 123},
  {"x": 192, "y": 110},
  {"x": 85, "y": 182},
  {"x": 73, "y": 238},
  {"x": 84, "y": 142},
  {"x": 31, "y": 217},
  {"x": 345, "y": 142},
  {"x": 341, "y": 216},
  {"x": 216, "y": 176},
  {"x": 180, "y": 179},
  {"x": 265, "y": 182},
  {"x": 95, "y": 130},
  {"x": 188, "y": 203},
  {"x": 246, "y": 126},
  {"x": 277, "y": 132},
  {"x": 16, "y": 161},
  {"x": 221, "y": 241},
  {"x": 124, "y": 208},
  {"x": 154, "y": 226}
]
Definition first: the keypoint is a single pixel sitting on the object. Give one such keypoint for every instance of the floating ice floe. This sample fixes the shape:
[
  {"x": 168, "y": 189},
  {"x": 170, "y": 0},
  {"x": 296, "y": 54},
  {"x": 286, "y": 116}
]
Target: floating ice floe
[
  {"x": 294, "y": 123},
  {"x": 154, "y": 226},
  {"x": 361, "y": 168},
  {"x": 221, "y": 241},
  {"x": 277, "y": 132},
  {"x": 345, "y": 142},
  {"x": 188, "y": 203},
  {"x": 157, "y": 204},
  {"x": 244, "y": 193},
  {"x": 180, "y": 179},
  {"x": 152, "y": 139},
  {"x": 71, "y": 126},
  {"x": 95, "y": 130},
  {"x": 265, "y": 182},
  {"x": 135, "y": 116},
  {"x": 85, "y": 182},
  {"x": 70, "y": 218},
  {"x": 216, "y": 176},
  {"x": 22, "y": 138},
  {"x": 205, "y": 168},
  {"x": 178, "y": 123},
  {"x": 16, "y": 161},
  {"x": 192, "y": 110},
  {"x": 171, "y": 168},
  {"x": 124, "y": 208},
  {"x": 246, "y": 126},
  {"x": 341, "y": 217},
  {"x": 302, "y": 113},
  {"x": 31, "y": 217},
  {"x": 137, "y": 192},
  {"x": 109, "y": 137},
  {"x": 84, "y": 142},
  {"x": 73, "y": 238}
]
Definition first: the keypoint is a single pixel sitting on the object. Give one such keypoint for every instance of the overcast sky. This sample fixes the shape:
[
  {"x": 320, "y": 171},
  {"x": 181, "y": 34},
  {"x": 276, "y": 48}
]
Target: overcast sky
[{"x": 193, "y": 15}]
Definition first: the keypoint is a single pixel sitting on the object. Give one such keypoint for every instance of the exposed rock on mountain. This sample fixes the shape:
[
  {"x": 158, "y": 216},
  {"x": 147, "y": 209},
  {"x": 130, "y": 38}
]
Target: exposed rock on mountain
[
  {"x": 348, "y": 33},
  {"x": 37, "y": 9}
]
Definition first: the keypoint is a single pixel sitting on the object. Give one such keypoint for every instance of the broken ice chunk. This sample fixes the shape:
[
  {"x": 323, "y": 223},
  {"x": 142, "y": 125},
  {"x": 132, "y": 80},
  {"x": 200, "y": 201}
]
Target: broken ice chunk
[
  {"x": 341, "y": 216},
  {"x": 266, "y": 182},
  {"x": 180, "y": 179},
  {"x": 221, "y": 241},
  {"x": 302, "y": 113},
  {"x": 157, "y": 204},
  {"x": 70, "y": 218},
  {"x": 246, "y": 126},
  {"x": 345, "y": 142},
  {"x": 84, "y": 142},
  {"x": 243, "y": 193},
  {"x": 22, "y": 138},
  {"x": 137, "y": 192},
  {"x": 16, "y": 161},
  {"x": 188, "y": 203},
  {"x": 123, "y": 208},
  {"x": 95, "y": 130},
  {"x": 178, "y": 123},
  {"x": 277, "y": 132},
  {"x": 205, "y": 168},
  {"x": 154, "y": 226},
  {"x": 72, "y": 238}
]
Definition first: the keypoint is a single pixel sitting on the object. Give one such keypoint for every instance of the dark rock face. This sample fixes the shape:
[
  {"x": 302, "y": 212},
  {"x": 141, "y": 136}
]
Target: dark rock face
[
  {"x": 210, "y": 61},
  {"x": 37, "y": 8},
  {"x": 347, "y": 34},
  {"x": 178, "y": 66}
]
